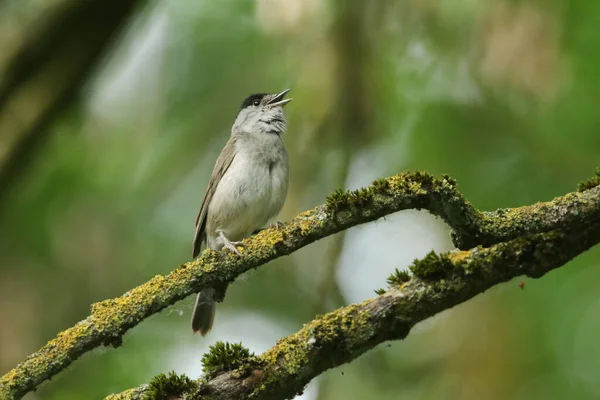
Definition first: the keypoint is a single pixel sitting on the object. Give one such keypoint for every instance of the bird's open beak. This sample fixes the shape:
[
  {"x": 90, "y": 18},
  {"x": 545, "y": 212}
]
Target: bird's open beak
[{"x": 279, "y": 99}]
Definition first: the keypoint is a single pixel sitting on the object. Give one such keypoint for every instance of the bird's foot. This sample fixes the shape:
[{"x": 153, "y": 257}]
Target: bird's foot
[{"x": 228, "y": 244}]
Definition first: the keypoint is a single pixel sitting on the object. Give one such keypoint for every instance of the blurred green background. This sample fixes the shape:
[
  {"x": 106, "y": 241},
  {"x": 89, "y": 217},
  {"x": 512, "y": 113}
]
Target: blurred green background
[{"x": 503, "y": 95}]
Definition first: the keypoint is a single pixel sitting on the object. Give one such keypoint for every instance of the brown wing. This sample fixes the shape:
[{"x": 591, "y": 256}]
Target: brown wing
[{"x": 223, "y": 162}]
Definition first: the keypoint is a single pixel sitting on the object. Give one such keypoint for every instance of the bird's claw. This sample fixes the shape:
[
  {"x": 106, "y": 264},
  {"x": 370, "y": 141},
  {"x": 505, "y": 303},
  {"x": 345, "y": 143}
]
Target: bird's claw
[
  {"x": 277, "y": 224},
  {"x": 231, "y": 246},
  {"x": 228, "y": 244}
]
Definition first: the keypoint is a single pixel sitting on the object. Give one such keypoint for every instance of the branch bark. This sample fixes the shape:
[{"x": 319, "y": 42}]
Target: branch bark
[
  {"x": 110, "y": 319},
  {"x": 439, "y": 282}
]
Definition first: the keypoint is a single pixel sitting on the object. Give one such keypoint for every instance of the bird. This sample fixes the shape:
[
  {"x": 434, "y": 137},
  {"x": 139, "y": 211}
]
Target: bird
[{"x": 246, "y": 190}]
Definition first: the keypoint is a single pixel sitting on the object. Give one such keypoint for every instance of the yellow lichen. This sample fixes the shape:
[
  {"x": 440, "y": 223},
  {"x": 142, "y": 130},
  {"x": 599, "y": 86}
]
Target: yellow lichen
[
  {"x": 267, "y": 238},
  {"x": 459, "y": 256},
  {"x": 111, "y": 318},
  {"x": 340, "y": 329}
]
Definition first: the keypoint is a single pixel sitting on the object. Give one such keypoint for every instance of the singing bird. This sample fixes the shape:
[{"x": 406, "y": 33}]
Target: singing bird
[{"x": 247, "y": 187}]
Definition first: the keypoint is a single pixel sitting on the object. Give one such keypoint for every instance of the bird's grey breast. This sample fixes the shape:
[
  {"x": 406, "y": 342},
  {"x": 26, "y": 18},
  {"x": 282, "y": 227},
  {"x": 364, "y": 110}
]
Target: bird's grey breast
[{"x": 253, "y": 189}]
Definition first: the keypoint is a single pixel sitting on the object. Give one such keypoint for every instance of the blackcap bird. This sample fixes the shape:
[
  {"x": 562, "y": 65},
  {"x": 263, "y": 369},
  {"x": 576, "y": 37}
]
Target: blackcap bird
[{"x": 247, "y": 187}]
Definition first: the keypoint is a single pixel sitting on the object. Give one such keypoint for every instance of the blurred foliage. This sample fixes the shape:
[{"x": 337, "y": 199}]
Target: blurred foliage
[{"x": 501, "y": 95}]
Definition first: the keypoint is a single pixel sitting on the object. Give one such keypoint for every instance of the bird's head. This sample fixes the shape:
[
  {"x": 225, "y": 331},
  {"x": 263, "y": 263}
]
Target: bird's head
[{"x": 262, "y": 113}]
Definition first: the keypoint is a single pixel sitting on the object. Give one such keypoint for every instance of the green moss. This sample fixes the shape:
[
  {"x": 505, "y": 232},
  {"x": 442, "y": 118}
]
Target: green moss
[
  {"x": 590, "y": 183},
  {"x": 381, "y": 184},
  {"x": 449, "y": 180},
  {"x": 433, "y": 266},
  {"x": 336, "y": 200},
  {"x": 423, "y": 177},
  {"x": 163, "y": 387},
  {"x": 344, "y": 199},
  {"x": 398, "y": 277},
  {"x": 398, "y": 186},
  {"x": 334, "y": 334},
  {"x": 361, "y": 196},
  {"x": 380, "y": 291},
  {"x": 224, "y": 356}
]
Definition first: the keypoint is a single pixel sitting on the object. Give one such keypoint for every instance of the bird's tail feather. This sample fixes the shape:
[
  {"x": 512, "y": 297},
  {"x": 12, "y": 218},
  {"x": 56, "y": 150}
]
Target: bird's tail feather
[{"x": 204, "y": 312}]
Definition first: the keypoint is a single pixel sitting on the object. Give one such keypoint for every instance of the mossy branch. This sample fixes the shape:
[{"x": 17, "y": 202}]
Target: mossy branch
[
  {"x": 438, "y": 283},
  {"x": 111, "y": 319}
]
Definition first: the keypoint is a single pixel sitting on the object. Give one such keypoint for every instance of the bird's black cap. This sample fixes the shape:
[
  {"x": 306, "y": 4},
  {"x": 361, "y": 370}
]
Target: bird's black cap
[{"x": 248, "y": 101}]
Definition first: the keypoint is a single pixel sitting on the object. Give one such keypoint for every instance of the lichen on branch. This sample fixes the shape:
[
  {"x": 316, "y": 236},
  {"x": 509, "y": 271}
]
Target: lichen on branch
[
  {"x": 111, "y": 319},
  {"x": 439, "y": 282}
]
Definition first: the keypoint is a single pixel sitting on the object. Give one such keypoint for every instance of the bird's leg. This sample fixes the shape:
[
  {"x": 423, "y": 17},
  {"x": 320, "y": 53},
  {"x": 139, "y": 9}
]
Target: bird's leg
[
  {"x": 229, "y": 244},
  {"x": 277, "y": 224}
]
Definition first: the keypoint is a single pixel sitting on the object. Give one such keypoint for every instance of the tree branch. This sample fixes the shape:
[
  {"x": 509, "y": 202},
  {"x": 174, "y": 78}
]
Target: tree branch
[
  {"x": 438, "y": 283},
  {"x": 110, "y": 319}
]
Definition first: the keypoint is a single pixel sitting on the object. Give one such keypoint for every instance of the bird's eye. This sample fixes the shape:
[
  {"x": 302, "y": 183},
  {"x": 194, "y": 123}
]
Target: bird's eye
[{"x": 256, "y": 102}]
